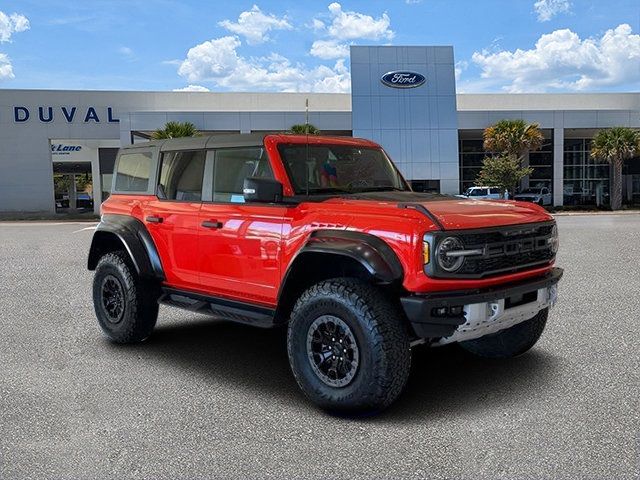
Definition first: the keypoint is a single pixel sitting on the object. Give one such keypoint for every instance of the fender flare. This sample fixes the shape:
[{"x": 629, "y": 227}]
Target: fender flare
[
  {"x": 373, "y": 253},
  {"x": 135, "y": 238}
]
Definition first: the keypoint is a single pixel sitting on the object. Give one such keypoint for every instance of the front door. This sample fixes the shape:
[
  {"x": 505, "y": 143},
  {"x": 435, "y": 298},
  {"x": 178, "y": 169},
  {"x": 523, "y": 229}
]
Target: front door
[
  {"x": 172, "y": 218},
  {"x": 240, "y": 243}
]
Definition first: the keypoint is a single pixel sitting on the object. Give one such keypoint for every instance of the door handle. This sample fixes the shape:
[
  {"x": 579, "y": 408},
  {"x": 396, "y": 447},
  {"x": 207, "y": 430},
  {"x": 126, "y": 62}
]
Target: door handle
[
  {"x": 212, "y": 224},
  {"x": 153, "y": 219}
]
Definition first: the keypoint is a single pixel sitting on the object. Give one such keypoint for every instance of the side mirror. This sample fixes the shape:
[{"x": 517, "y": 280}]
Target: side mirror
[{"x": 265, "y": 190}]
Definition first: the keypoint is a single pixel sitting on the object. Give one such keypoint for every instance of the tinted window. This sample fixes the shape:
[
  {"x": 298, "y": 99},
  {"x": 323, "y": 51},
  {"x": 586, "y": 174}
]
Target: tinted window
[
  {"x": 495, "y": 191},
  {"x": 232, "y": 166},
  {"x": 181, "y": 175},
  {"x": 328, "y": 168},
  {"x": 133, "y": 172},
  {"x": 478, "y": 192}
]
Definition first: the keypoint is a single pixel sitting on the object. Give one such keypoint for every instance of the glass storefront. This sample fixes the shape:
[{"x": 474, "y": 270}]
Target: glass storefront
[
  {"x": 586, "y": 181},
  {"x": 472, "y": 154}
]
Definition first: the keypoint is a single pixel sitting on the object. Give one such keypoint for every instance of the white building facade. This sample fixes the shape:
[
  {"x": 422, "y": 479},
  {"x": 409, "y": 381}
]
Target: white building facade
[{"x": 57, "y": 148}]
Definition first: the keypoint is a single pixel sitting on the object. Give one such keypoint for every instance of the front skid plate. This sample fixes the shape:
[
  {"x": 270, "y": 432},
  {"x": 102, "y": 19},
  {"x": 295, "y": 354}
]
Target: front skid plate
[{"x": 490, "y": 317}]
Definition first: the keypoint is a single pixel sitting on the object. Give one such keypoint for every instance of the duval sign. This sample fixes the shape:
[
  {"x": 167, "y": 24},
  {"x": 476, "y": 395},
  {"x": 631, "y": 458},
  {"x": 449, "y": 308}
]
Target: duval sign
[
  {"x": 403, "y": 79},
  {"x": 47, "y": 114}
]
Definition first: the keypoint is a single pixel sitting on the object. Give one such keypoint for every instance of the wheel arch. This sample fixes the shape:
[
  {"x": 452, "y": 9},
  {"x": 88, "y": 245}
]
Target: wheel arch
[
  {"x": 338, "y": 253},
  {"x": 122, "y": 232}
]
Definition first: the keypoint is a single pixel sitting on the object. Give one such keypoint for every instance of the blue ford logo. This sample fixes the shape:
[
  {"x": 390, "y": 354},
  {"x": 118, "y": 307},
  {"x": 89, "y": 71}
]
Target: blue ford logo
[{"x": 402, "y": 79}]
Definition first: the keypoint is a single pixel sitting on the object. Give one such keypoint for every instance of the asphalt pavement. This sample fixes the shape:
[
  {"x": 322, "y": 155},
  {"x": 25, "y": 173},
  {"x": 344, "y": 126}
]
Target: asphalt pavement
[{"x": 203, "y": 398}]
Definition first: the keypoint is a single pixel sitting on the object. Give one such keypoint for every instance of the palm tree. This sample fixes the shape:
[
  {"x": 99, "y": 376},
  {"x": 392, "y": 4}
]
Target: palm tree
[
  {"x": 513, "y": 138},
  {"x": 304, "y": 129},
  {"x": 615, "y": 145},
  {"x": 176, "y": 130}
]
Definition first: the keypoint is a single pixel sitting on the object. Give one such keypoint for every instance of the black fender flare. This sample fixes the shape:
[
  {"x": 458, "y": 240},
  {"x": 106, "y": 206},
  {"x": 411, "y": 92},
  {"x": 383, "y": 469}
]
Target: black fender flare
[
  {"x": 373, "y": 253},
  {"x": 135, "y": 238}
]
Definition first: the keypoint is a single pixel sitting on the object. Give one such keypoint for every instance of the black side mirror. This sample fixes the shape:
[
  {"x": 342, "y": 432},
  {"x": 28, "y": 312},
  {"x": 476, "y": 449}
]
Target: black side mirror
[{"x": 264, "y": 190}]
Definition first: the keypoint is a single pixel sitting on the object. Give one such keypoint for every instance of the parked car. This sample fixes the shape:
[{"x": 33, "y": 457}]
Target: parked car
[
  {"x": 324, "y": 236},
  {"x": 84, "y": 200},
  {"x": 478, "y": 193},
  {"x": 539, "y": 195}
]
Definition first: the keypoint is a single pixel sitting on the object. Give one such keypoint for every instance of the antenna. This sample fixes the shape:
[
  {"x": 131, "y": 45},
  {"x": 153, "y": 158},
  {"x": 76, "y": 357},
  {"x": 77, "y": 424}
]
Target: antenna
[{"x": 306, "y": 129}]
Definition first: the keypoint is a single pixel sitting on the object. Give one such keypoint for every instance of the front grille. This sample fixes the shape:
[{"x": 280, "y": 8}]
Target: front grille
[{"x": 504, "y": 250}]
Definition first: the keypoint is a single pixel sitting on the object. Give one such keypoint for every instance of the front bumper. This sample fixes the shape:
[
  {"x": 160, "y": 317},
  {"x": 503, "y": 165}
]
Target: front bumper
[{"x": 458, "y": 316}]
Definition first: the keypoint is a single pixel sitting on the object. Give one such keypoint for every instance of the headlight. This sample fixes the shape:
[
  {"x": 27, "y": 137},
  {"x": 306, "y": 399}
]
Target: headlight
[
  {"x": 449, "y": 263},
  {"x": 554, "y": 240}
]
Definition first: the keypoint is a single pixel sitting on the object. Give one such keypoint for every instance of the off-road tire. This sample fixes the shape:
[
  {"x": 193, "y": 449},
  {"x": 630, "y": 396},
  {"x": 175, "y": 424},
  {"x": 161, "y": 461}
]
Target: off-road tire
[
  {"x": 140, "y": 311},
  {"x": 381, "y": 337},
  {"x": 511, "y": 342}
]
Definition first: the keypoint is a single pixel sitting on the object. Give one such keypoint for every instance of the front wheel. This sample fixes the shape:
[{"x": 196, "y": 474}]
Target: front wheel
[
  {"x": 125, "y": 304},
  {"x": 510, "y": 342},
  {"x": 348, "y": 347}
]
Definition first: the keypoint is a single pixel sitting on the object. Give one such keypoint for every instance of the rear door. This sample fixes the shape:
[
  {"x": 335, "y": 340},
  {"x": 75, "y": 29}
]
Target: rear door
[
  {"x": 172, "y": 217},
  {"x": 240, "y": 243}
]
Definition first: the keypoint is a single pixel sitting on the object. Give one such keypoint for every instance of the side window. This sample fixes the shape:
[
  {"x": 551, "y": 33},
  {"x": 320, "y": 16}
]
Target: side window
[
  {"x": 232, "y": 166},
  {"x": 133, "y": 172},
  {"x": 181, "y": 175},
  {"x": 495, "y": 191},
  {"x": 545, "y": 191}
]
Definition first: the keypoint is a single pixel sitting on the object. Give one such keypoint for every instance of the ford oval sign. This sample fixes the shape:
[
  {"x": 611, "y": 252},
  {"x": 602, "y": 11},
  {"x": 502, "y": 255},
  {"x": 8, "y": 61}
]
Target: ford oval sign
[{"x": 401, "y": 79}]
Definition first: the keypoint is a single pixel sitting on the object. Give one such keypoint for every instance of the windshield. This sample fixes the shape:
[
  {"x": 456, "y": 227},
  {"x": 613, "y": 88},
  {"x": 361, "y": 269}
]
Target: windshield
[
  {"x": 339, "y": 168},
  {"x": 476, "y": 192}
]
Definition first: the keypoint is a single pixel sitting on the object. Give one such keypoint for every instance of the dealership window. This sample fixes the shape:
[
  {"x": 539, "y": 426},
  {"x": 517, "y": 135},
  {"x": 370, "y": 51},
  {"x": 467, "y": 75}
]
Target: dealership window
[
  {"x": 430, "y": 186},
  {"x": 181, "y": 175},
  {"x": 542, "y": 163},
  {"x": 232, "y": 166},
  {"x": 586, "y": 181},
  {"x": 472, "y": 154},
  {"x": 134, "y": 170},
  {"x": 107, "y": 160}
]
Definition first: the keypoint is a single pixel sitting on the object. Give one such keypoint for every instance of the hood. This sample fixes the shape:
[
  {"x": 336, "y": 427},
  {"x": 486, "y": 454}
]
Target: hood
[{"x": 456, "y": 213}]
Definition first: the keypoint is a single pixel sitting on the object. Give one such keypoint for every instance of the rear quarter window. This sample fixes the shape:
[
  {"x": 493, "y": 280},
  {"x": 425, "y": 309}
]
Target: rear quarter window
[{"x": 132, "y": 172}]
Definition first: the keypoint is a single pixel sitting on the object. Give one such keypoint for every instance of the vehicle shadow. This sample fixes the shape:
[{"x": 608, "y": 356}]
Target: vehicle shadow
[{"x": 443, "y": 381}]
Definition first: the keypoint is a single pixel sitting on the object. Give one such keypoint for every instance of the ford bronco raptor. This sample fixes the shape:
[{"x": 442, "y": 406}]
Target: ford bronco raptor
[{"x": 324, "y": 236}]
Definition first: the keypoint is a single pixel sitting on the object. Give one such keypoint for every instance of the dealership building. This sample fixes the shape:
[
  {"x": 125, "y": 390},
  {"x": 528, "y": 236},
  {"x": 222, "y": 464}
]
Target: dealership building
[{"x": 57, "y": 147}]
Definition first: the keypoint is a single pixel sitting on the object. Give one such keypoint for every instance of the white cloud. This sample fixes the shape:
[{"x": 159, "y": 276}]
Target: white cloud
[
  {"x": 218, "y": 61},
  {"x": 354, "y": 25},
  {"x": 547, "y": 9},
  {"x": 127, "y": 53},
  {"x": 345, "y": 27},
  {"x": 563, "y": 61},
  {"x": 412, "y": 2},
  {"x": 10, "y": 24},
  {"x": 460, "y": 67},
  {"x": 254, "y": 25},
  {"x": 192, "y": 88},
  {"x": 329, "y": 49},
  {"x": 317, "y": 25},
  {"x": 6, "y": 69}
]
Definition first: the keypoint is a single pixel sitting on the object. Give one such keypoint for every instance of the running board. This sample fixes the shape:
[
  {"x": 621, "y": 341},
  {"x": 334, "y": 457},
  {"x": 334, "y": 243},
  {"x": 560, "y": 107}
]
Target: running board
[{"x": 219, "y": 307}]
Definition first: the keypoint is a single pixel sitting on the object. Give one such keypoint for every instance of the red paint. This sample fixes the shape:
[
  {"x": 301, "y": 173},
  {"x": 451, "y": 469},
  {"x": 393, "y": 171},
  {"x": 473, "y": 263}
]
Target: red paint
[{"x": 248, "y": 256}]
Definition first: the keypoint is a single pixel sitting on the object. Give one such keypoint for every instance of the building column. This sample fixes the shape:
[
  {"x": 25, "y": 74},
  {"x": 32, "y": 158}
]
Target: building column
[{"x": 558, "y": 166}]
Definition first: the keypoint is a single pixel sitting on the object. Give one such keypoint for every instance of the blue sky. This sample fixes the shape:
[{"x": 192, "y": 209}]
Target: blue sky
[{"x": 500, "y": 46}]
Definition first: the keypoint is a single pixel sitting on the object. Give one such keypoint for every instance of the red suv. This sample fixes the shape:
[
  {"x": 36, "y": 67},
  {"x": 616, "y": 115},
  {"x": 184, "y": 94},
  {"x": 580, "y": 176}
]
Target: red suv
[{"x": 323, "y": 235}]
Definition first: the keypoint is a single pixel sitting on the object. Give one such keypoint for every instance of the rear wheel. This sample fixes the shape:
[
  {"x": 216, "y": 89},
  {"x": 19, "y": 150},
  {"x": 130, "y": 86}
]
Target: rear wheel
[
  {"x": 510, "y": 342},
  {"x": 348, "y": 347},
  {"x": 126, "y": 306}
]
